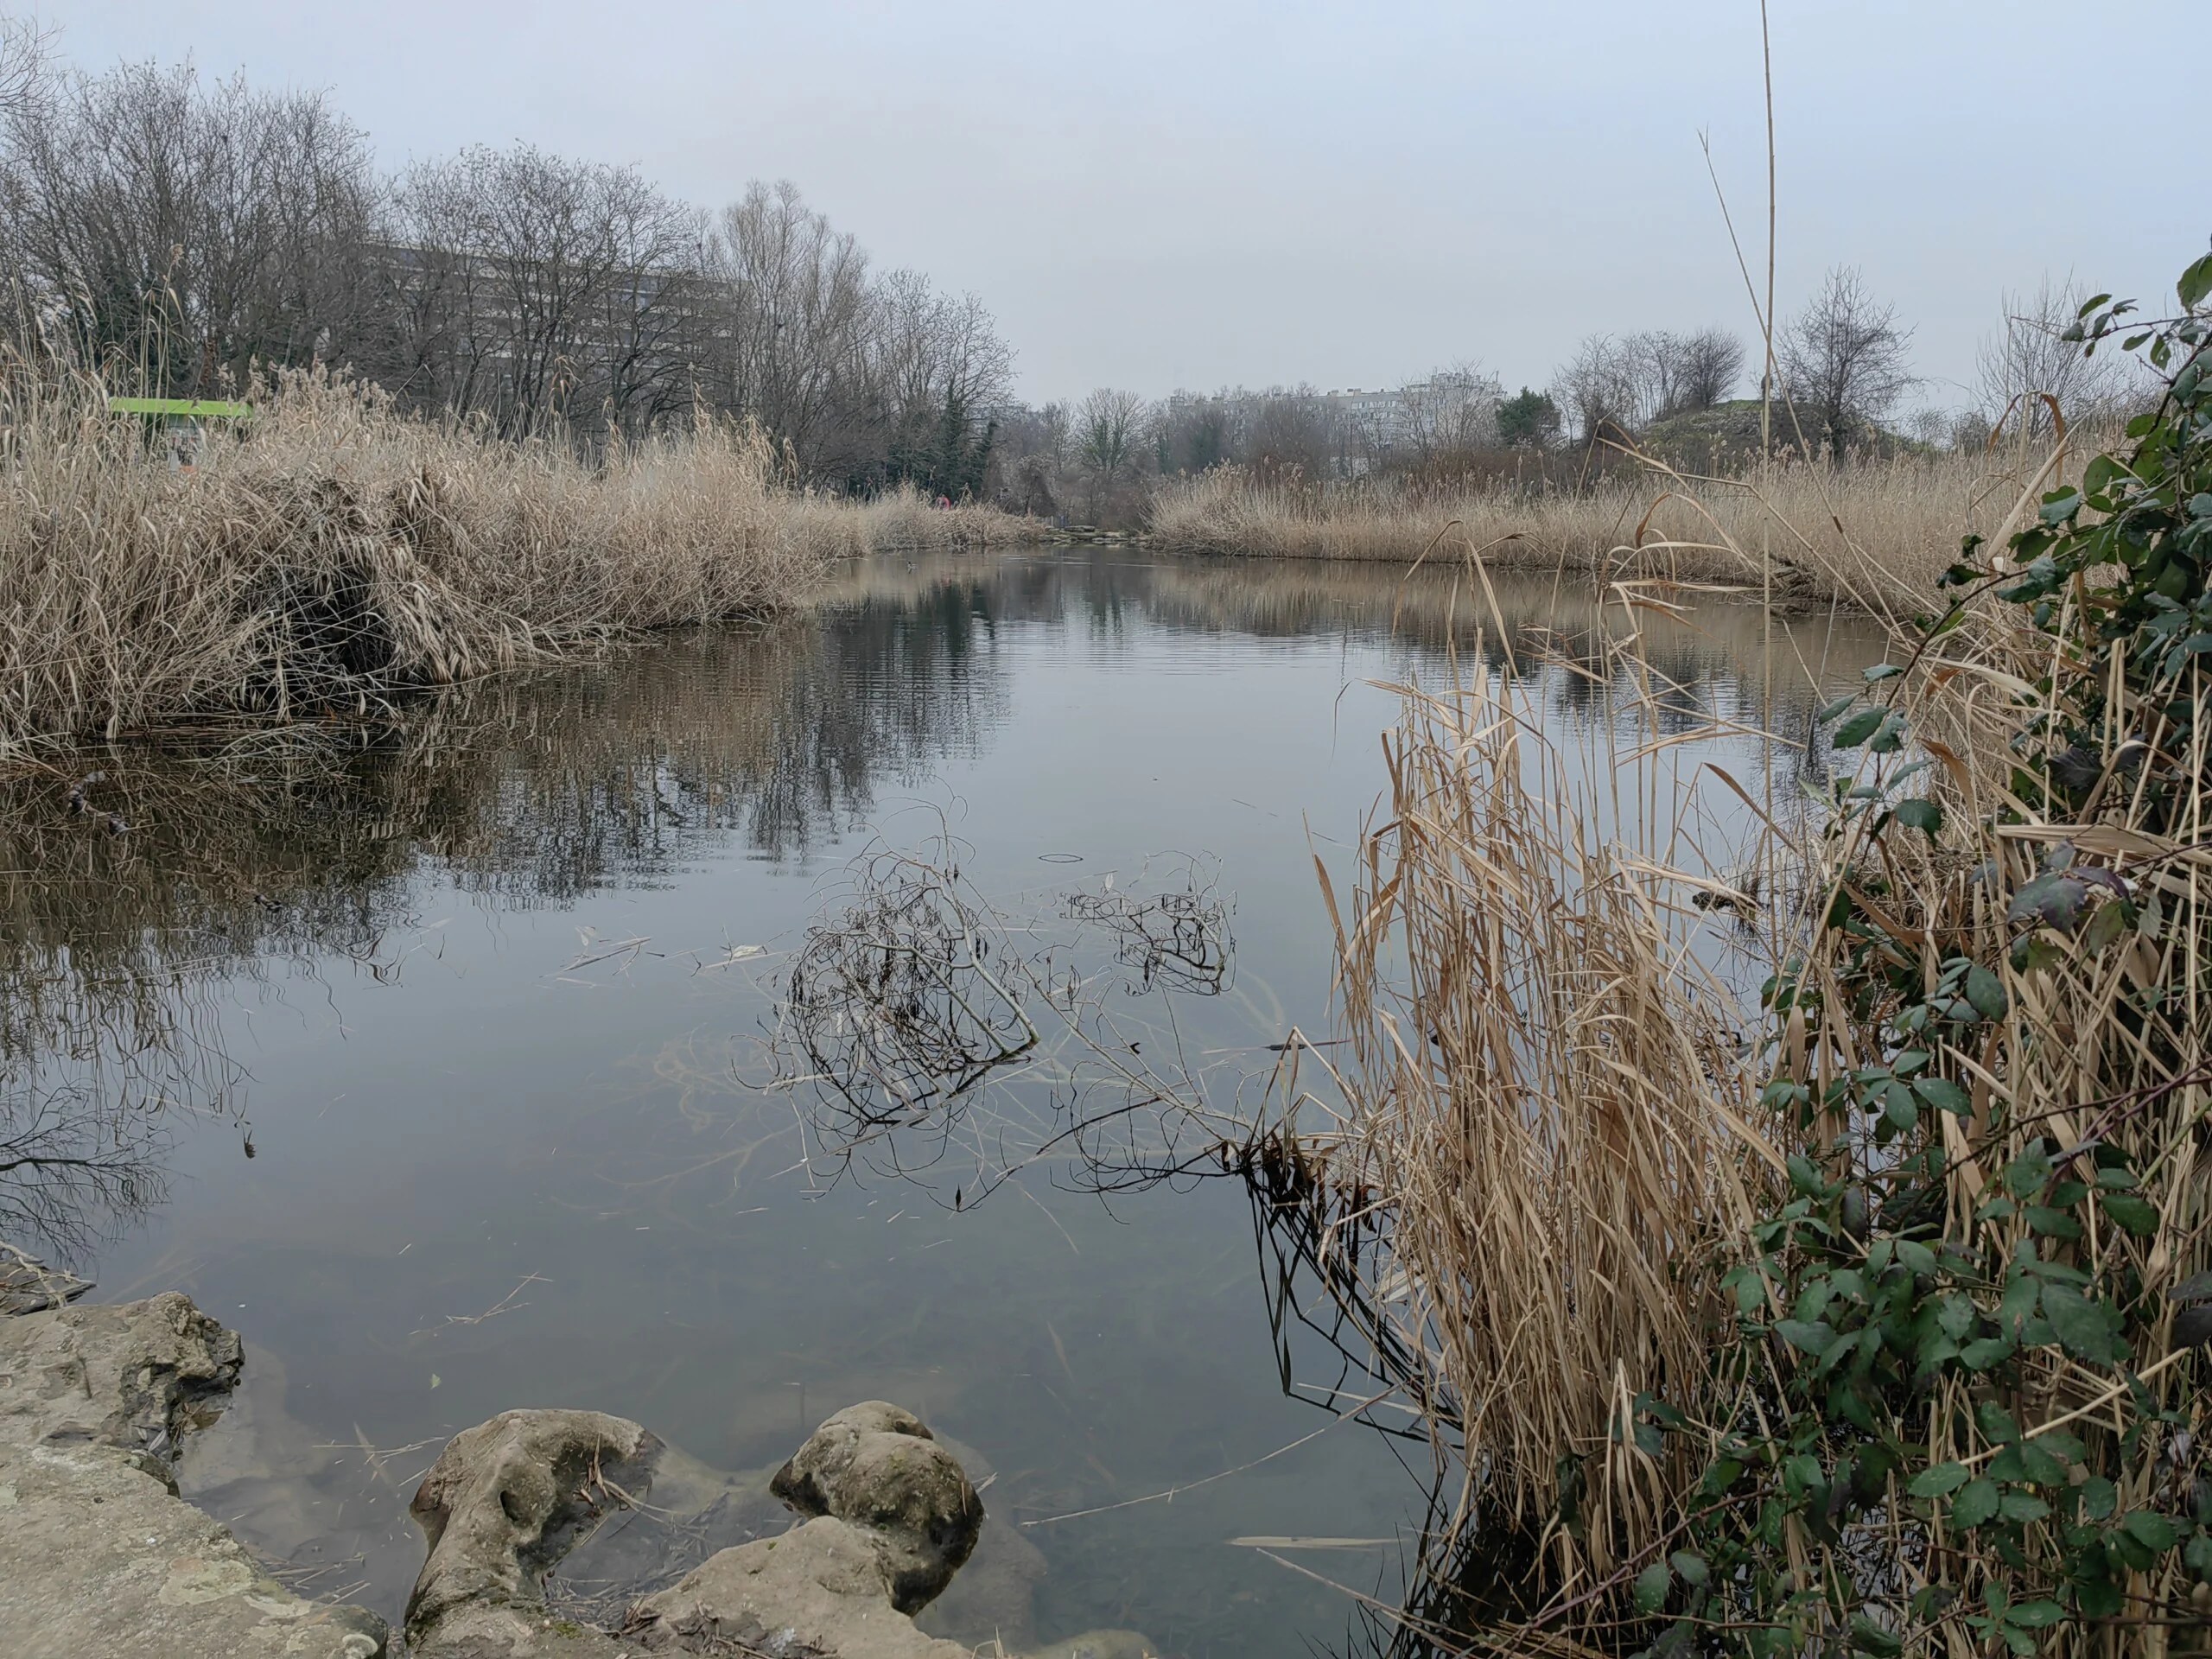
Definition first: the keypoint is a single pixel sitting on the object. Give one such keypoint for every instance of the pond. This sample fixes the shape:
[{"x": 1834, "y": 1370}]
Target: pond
[{"x": 440, "y": 1067}]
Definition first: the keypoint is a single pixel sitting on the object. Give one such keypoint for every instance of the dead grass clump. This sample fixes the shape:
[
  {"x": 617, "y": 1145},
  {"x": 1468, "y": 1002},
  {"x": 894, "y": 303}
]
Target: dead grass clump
[
  {"x": 1543, "y": 1096},
  {"x": 1873, "y": 533},
  {"x": 1979, "y": 1059},
  {"x": 336, "y": 551}
]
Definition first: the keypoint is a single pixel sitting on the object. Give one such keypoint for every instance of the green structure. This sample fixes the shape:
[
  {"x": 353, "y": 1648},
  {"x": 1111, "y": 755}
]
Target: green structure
[{"x": 183, "y": 408}]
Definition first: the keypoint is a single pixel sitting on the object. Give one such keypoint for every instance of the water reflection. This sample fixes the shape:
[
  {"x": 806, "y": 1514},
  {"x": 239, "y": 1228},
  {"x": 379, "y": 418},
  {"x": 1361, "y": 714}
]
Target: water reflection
[{"x": 448, "y": 1094}]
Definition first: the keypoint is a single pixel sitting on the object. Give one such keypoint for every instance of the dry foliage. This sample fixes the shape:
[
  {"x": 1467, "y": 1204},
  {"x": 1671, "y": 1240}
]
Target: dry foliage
[
  {"x": 1544, "y": 1141},
  {"x": 1557, "y": 1139},
  {"x": 1549, "y": 1116},
  {"x": 335, "y": 550},
  {"x": 1874, "y": 533}
]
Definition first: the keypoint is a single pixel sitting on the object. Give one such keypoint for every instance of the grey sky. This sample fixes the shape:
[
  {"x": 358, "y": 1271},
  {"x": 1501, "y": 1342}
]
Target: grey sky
[{"x": 1157, "y": 195}]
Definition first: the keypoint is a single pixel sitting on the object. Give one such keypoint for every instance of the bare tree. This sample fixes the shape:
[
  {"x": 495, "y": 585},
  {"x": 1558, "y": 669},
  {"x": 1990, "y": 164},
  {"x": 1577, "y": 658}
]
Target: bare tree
[
  {"x": 1289, "y": 429},
  {"x": 1453, "y": 411},
  {"x": 797, "y": 314},
  {"x": 26, "y": 53},
  {"x": 939, "y": 369},
  {"x": 1603, "y": 387},
  {"x": 199, "y": 232},
  {"x": 1057, "y": 424},
  {"x": 933, "y": 347},
  {"x": 190, "y": 232},
  {"x": 1106, "y": 427},
  {"x": 1843, "y": 361},
  {"x": 1931, "y": 426},
  {"x": 1693, "y": 372},
  {"x": 649, "y": 328},
  {"x": 1194, "y": 433},
  {"x": 2028, "y": 361},
  {"x": 543, "y": 290}
]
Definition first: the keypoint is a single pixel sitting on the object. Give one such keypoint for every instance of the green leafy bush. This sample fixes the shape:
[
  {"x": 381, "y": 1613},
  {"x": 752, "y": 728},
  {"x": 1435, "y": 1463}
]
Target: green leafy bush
[{"x": 1963, "y": 1407}]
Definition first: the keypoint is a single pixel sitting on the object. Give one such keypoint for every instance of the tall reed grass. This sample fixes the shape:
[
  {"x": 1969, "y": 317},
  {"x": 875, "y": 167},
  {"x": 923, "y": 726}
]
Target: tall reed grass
[
  {"x": 334, "y": 551},
  {"x": 1544, "y": 1083},
  {"x": 1554, "y": 1141},
  {"x": 1872, "y": 533}
]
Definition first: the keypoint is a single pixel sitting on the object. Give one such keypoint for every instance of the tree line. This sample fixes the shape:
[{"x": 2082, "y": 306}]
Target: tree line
[
  {"x": 1839, "y": 374},
  {"x": 193, "y": 234}
]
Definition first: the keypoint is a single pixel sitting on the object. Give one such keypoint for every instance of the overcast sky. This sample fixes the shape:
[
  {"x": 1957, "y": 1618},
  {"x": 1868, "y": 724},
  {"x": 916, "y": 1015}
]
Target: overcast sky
[{"x": 1157, "y": 194}]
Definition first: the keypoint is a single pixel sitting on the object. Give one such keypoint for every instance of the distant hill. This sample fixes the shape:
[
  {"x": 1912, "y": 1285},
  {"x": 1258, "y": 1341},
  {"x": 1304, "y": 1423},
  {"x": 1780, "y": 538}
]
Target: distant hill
[{"x": 1723, "y": 437}]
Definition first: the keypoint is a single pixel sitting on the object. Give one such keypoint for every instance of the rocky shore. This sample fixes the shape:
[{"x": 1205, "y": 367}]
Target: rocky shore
[{"x": 99, "y": 1555}]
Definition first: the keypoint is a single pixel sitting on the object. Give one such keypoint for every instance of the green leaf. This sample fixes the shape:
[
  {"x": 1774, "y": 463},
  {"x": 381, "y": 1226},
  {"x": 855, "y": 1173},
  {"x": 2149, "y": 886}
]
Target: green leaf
[
  {"x": 2022, "y": 1507},
  {"x": 2035, "y": 1615},
  {"x": 1956, "y": 1315},
  {"x": 2137, "y": 1216},
  {"x": 1987, "y": 992},
  {"x": 1867, "y": 1636},
  {"x": 1899, "y": 1107},
  {"x": 2197, "y": 1287},
  {"x": 1808, "y": 1336},
  {"x": 2028, "y": 1174},
  {"x": 2111, "y": 920},
  {"x": 2100, "y": 1498},
  {"x": 2051, "y": 1223},
  {"x": 1996, "y": 1422},
  {"x": 2151, "y": 1529},
  {"x": 2090, "y": 1330},
  {"x": 2055, "y": 900},
  {"x": 1689, "y": 1567},
  {"x": 2098, "y": 1598},
  {"x": 1651, "y": 1588},
  {"x": 2195, "y": 282},
  {"x": 1939, "y": 1482},
  {"x": 1860, "y": 727},
  {"x": 1975, "y": 1504},
  {"x": 1923, "y": 815},
  {"x": 1944, "y": 1095}
]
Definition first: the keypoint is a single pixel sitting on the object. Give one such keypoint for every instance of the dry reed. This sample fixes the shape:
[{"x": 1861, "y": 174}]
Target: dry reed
[
  {"x": 1550, "y": 1147},
  {"x": 1872, "y": 533},
  {"x": 1544, "y": 1098},
  {"x": 335, "y": 550}
]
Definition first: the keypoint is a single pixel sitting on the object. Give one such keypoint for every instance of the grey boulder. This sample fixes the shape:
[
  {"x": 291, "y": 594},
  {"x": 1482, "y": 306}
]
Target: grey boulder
[
  {"x": 504, "y": 1502},
  {"x": 99, "y": 1556}
]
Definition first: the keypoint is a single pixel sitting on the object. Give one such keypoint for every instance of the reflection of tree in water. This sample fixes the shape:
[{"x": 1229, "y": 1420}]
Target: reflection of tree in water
[
  {"x": 184, "y": 872},
  {"x": 120, "y": 918}
]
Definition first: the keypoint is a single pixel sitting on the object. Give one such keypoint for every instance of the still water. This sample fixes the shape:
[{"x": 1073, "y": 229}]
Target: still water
[{"x": 441, "y": 1069}]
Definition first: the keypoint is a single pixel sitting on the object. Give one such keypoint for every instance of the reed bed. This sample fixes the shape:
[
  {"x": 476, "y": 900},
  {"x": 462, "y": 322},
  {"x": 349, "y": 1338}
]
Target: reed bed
[
  {"x": 1872, "y": 533},
  {"x": 1555, "y": 1132},
  {"x": 1544, "y": 1083},
  {"x": 336, "y": 551}
]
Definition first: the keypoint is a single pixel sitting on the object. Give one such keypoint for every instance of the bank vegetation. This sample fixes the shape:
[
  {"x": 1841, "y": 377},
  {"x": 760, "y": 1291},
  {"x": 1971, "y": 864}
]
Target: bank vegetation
[
  {"x": 335, "y": 550},
  {"x": 1872, "y": 533},
  {"x": 1794, "y": 1237}
]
